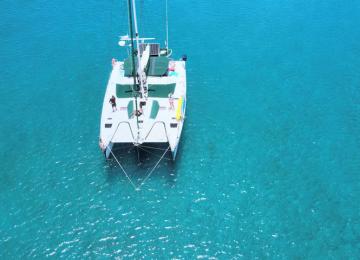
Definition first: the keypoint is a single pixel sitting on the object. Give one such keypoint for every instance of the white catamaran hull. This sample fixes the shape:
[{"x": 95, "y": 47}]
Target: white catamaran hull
[
  {"x": 145, "y": 99},
  {"x": 161, "y": 120}
]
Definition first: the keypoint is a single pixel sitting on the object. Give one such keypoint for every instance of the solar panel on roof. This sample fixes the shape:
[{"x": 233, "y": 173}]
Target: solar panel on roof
[{"x": 154, "y": 48}]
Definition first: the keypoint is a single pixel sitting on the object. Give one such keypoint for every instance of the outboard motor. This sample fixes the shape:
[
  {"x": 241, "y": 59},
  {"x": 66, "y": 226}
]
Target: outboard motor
[{"x": 184, "y": 57}]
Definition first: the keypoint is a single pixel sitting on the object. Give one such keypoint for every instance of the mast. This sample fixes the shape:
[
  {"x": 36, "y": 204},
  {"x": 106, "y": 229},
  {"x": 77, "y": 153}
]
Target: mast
[
  {"x": 139, "y": 72},
  {"x": 133, "y": 61}
]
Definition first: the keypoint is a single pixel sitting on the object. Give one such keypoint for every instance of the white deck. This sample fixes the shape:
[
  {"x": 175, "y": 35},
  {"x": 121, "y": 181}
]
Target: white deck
[{"x": 158, "y": 130}]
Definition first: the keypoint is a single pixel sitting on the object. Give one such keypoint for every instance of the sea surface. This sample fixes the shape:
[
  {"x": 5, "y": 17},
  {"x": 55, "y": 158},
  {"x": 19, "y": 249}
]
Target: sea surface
[{"x": 268, "y": 165}]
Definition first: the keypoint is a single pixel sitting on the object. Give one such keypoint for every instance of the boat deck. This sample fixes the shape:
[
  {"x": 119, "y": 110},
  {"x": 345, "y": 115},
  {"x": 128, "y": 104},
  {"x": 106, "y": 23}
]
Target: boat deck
[{"x": 159, "y": 121}]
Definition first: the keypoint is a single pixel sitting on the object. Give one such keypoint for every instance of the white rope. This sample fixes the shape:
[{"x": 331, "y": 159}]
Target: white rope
[
  {"x": 153, "y": 168},
  {"x": 122, "y": 168}
]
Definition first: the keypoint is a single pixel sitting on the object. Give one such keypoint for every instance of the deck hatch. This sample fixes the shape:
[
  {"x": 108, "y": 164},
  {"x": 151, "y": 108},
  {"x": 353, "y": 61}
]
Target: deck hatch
[
  {"x": 173, "y": 125},
  {"x": 108, "y": 125}
]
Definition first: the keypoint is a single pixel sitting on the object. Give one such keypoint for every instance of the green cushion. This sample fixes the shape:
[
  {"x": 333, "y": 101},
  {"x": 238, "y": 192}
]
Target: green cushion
[
  {"x": 161, "y": 90},
  {"x": 130, "y": 108},
  {"x": 154, "y": 109},
  {"x": 124, "y": 91}
]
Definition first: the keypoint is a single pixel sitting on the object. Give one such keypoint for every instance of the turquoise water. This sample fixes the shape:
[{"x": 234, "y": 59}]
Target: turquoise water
[{"x": 268, "y": 165}]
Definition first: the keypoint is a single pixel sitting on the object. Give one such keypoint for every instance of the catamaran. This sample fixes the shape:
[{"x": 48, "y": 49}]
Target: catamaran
[{"x": 145, "y": 99}]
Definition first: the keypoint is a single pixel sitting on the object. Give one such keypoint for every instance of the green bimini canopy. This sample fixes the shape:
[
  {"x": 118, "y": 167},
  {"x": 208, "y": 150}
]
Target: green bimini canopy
[
  {"x": 161, "y": 90},
  {"x": 158, "y": 66},
  {"x": 124, "y": 91},
  {"x": 128, "y": 66}
]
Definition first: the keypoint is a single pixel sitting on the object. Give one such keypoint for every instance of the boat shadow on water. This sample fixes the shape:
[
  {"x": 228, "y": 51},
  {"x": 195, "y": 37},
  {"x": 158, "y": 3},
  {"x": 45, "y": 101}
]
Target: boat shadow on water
[{"x": 138, "y": 162}]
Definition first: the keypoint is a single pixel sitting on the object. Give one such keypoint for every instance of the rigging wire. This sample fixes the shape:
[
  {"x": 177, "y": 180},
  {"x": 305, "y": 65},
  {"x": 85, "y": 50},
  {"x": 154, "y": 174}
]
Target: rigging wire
[
  {"x": 141, "y": 16},
  {"x": 153, "y": 168},
  {"x": 122, "y": 168},
  {"x": 167, "y": 26},
  {"x": 137, "y": 188}
]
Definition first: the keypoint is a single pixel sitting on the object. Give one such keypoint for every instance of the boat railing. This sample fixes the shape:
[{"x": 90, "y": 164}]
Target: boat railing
[
  {"x": 123, "y": 122},
  {"x": 158, "y": 122}
]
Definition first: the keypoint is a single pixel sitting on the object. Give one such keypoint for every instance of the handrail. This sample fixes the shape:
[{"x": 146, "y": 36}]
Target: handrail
[
  {"x": 153, "y": 127},
  {"x": 118, "y": 128}
]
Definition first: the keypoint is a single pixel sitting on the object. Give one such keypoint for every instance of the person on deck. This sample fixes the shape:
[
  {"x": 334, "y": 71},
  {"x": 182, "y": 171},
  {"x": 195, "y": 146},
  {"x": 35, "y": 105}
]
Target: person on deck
[
  {"x": 171, "y": 101},
  {"x": 112, "y": 101}
]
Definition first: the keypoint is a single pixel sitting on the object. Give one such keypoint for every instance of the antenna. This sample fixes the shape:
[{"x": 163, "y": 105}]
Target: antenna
[{"x": 167, "y": 26}]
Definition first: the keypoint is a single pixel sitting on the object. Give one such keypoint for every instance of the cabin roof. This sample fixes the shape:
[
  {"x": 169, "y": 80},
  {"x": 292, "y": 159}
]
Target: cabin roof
[{"x": 157, "y": 66}]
